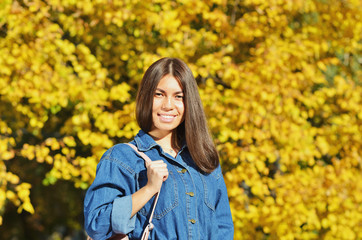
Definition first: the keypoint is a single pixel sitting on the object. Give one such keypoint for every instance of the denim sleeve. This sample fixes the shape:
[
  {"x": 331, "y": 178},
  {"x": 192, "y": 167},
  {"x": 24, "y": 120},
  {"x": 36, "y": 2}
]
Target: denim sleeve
[
  {"x": 223, "y": 213},
  {"x": 108, "y": 201}
]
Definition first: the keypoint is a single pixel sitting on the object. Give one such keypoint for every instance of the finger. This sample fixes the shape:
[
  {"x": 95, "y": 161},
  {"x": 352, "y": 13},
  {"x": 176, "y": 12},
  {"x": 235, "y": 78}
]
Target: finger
[
  {"x": 161, "y": 172},
  {"x": 158, "y": 162},
  {"x": 156, "y": 165},
  {"x": 165, "y": 176}
]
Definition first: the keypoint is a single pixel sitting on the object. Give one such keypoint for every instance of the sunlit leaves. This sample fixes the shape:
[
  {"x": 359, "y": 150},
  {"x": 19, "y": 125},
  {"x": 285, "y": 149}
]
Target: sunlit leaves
[
  {"x": 280, "y": 82},
  {"x": 286, "y": 112}
]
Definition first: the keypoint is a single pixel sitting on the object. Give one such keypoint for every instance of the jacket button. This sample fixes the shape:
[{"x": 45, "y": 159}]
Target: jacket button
[
  {"x": 183, "y": 170},
  {"x": 191, "y": 194},
  {"x": 193, "y": 221}
]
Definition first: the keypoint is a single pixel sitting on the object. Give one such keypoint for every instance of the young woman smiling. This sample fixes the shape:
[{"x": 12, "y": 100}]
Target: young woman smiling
[{"x": 193, "y": 201}]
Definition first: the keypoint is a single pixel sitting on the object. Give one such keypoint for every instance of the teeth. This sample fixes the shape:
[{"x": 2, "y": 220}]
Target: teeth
[{"x": 166, "y": 116}]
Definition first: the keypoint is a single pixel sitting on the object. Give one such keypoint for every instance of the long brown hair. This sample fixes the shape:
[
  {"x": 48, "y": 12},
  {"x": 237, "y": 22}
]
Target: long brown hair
[{"x": 193, "y": 129}]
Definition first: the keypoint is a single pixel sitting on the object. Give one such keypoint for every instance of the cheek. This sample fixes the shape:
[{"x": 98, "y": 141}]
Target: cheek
[
  {"x": 180, "y": 107},
  {"x": 156, "y": 104}
]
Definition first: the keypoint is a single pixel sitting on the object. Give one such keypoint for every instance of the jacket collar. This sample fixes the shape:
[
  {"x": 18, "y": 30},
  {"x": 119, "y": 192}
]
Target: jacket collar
[{"x": 145, "y": 142}]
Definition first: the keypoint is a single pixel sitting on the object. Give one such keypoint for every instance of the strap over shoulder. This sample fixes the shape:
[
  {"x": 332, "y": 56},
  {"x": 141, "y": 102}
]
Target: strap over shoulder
[
  {"x": 143, "y": 155},
  {"x": 149, "y": 226}
]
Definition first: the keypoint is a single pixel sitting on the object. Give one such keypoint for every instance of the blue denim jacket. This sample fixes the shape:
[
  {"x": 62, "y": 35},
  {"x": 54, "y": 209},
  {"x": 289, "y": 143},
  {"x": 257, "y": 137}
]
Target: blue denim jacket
[{"x": 192, "y": 205}]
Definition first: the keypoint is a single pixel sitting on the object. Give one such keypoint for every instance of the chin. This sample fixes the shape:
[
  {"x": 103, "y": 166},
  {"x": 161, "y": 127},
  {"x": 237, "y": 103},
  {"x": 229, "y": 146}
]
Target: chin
[{"x": 162, "y": 128}]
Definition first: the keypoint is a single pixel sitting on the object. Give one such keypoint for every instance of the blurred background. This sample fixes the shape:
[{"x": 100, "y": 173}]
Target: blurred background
[{"x": 280, "y": 81}]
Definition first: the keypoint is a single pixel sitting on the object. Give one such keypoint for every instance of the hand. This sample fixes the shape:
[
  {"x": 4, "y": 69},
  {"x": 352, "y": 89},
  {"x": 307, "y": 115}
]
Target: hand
[{"x": 157, "y": 173}]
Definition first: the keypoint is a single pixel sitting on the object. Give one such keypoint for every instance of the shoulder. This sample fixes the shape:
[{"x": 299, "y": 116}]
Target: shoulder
[
  {"x": 117, "y": 151},
  {"x": 216, "y": 174},
  {"x": 124, "y": 156}
]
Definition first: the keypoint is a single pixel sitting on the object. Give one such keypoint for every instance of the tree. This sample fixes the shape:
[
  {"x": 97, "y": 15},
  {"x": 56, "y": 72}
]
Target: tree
[{"x": 280, "y": 81}]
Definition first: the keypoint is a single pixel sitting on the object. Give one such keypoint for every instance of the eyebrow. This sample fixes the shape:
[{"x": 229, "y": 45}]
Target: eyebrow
[{"x": 163, "y": 91}]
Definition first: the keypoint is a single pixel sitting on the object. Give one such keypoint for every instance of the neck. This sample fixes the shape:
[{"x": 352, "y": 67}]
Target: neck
[
  {"x": 166, "y": 141},
  {"x": 162, "y": 139}
]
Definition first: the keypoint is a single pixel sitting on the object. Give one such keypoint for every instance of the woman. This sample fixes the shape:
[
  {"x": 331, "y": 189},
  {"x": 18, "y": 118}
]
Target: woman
[{"x": 193, "y": 202}]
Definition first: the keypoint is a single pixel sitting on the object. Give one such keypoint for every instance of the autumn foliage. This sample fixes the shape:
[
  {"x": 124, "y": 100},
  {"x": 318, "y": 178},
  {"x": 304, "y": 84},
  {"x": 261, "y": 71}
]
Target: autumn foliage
[{"x": 280, "y": 81}]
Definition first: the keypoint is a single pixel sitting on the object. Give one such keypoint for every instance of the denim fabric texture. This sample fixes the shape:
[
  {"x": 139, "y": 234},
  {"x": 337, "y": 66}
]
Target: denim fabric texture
[{"x": 192, "y": 205}]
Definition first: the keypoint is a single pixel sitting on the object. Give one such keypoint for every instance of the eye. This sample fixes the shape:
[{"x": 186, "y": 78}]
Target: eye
[
  {"x": 158, "y": 94},
  {"x": 179, "y": 97}
]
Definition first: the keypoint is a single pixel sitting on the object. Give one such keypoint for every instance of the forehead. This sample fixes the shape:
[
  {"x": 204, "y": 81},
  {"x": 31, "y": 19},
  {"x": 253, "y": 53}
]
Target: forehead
[{"x": 169, "y": 83}]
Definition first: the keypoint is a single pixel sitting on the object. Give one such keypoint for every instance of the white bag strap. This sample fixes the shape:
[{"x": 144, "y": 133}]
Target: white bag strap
[{"x": 149, "y": 226}]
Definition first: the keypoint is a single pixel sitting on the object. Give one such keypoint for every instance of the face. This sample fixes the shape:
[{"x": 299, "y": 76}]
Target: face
[{"x": 168, "y": 106}]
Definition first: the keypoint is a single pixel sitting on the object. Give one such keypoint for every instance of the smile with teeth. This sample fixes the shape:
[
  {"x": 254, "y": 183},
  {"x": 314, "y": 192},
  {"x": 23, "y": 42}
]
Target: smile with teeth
[{"x": 166, "y": 118}]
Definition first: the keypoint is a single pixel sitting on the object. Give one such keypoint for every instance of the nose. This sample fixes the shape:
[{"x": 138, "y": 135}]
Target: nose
[{"x": 168, "y": 103}]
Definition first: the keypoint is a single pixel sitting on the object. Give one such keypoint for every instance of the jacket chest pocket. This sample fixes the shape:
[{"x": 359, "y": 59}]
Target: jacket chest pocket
[
  {"x": 211, "y": 188},
  {"x": 167, "y": 200}
]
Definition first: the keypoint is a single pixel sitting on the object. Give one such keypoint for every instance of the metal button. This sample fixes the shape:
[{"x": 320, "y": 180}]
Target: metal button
[
  {"x": 193, "y": 221},
  {"x": 183, "y": 170},
  {"x": 190, "y": 194}
]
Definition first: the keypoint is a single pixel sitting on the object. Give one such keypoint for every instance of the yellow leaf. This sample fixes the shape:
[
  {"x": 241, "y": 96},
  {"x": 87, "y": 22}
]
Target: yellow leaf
[
  {"x": 27, "y": 206},
  {"x": 69, "y": 141}
]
